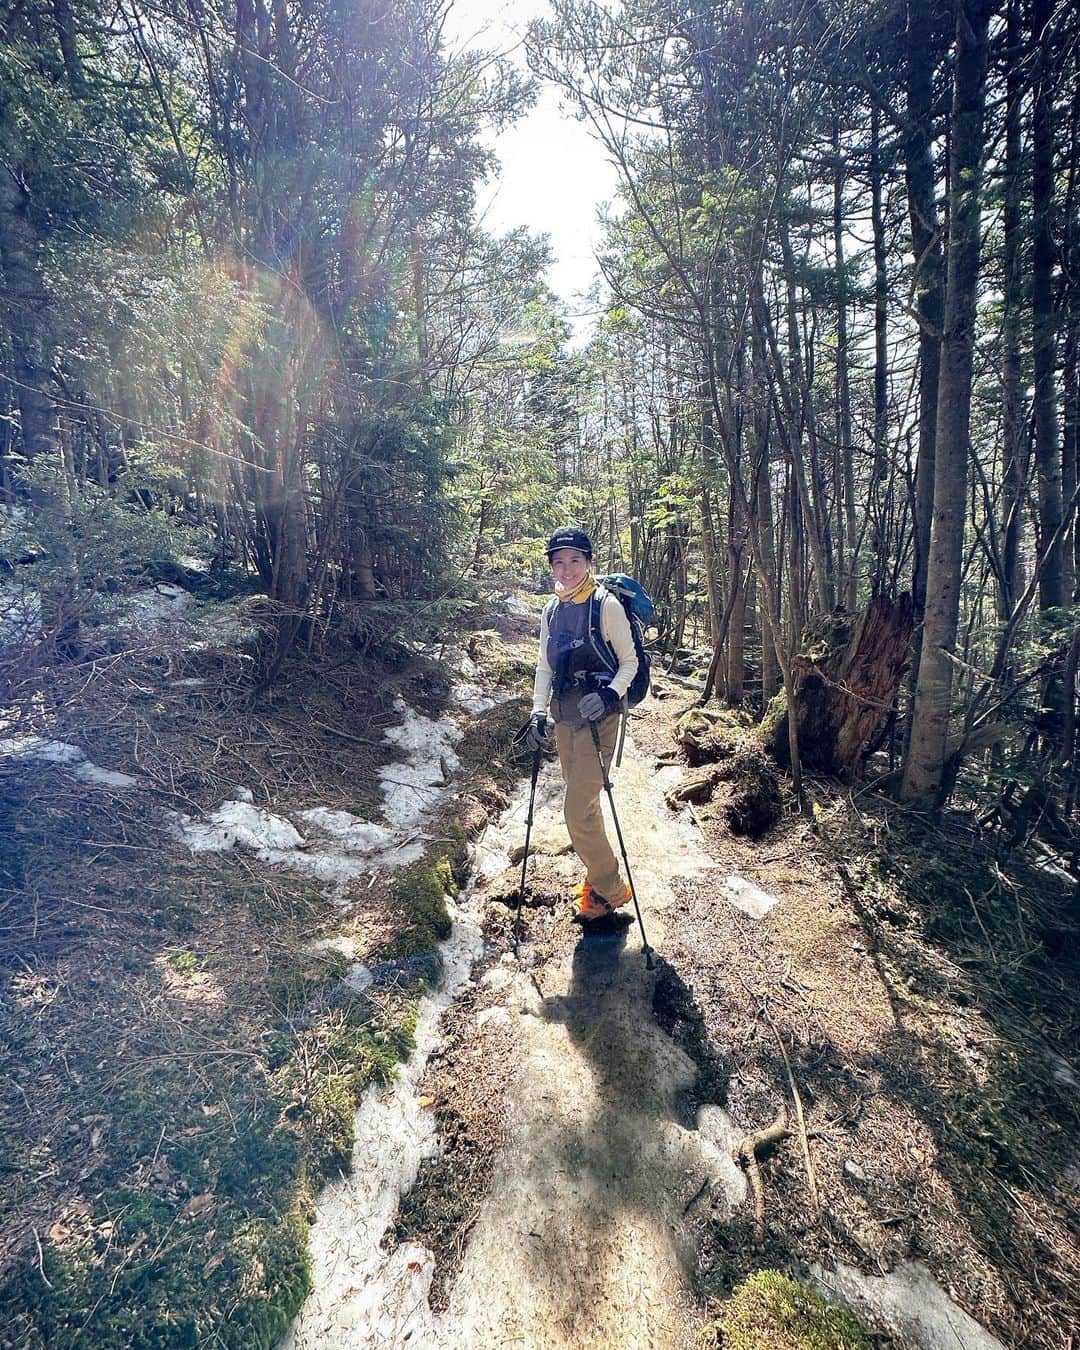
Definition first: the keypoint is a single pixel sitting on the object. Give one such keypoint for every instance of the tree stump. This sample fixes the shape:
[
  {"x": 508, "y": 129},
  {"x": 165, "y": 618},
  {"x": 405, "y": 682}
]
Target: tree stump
[
  {"x": 722, "y": 749},
  {"x": 846, "y": 680}
]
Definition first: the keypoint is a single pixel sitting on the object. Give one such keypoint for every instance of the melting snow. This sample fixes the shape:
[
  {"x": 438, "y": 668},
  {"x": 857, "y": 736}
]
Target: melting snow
[
  {"x": 274, "y": 839},
  {"x": 240, "y": 825},
  {"x": 353, "y": 834},
  {"x": 744, "y": 895},
  {"x": 409, "y": 787},
  {"x": 349, "y": 847},
  {"x": 70, "y": 756},
  {"x": 157, "y": 606},
  {"x": 394, "y": 1133},
  {"x": 20, "y": 613},
  {"x": 719, "y": 1138},
  {"x": 358, "y": 977}
]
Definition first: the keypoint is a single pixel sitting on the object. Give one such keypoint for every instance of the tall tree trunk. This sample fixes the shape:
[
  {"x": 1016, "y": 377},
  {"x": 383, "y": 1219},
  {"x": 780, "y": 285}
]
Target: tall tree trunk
[
  {"x": 1070, "y": 360},
  {"x": 734, "y": 670},
  {"x": 847, "y": 565},
  {"x": 1043, "y": 338},
  {"x": 922, "y": 60},
  {"x": 880, "y": 468},
  {"x": 26, "y": 310},
  {"x": 1013, "y": 472},
  {"x": 763, "y": 506},
  {"x": 924, "y": 763},
  {"x": 770, "y": 667}
]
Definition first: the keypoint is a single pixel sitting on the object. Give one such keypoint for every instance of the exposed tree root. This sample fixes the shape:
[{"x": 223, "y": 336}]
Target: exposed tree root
[{"x": 746, "y": 1155}]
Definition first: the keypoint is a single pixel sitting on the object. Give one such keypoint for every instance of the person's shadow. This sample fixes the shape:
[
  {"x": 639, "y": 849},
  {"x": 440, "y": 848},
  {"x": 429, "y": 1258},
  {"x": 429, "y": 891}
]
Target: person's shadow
[{"x": 625, "y": 1154}]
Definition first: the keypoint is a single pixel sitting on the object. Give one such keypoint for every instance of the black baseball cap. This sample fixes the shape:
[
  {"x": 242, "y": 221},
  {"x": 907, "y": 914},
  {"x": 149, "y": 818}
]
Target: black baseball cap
[{"x": 569, "y": 536}]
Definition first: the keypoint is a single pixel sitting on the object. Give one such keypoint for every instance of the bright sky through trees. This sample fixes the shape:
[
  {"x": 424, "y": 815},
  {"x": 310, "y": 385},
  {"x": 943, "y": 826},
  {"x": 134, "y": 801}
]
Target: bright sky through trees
[{"x": 554, "y": 175}]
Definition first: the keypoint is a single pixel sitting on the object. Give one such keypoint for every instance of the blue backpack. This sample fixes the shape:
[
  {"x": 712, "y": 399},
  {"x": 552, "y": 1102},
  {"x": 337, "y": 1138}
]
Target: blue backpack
[{"x": 638, "y": 605}]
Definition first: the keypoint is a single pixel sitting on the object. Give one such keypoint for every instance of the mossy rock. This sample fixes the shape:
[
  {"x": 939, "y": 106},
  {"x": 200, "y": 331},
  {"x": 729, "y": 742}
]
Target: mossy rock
[
  {"x": 771, "y": 1311},
  {"x": 710, "y": 734}
]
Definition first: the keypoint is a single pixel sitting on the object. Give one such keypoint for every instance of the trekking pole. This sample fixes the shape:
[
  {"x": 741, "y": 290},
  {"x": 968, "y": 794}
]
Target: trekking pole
[
  {"x": 648, "y": 951},
  {"x": 525, "y": 859}
]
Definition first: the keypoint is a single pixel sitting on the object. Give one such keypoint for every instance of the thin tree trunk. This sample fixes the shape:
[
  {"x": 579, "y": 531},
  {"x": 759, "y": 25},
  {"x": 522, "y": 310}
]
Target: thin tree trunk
[
  {"x": 27, "y": 319},
  {"x": 1013, "y": 472},
  {"x": 1070, "y": 360},
  {"x": 844, "y": 485},
  {"x": 1043, "y": 255},
  {"x": 921, "y": 64}
]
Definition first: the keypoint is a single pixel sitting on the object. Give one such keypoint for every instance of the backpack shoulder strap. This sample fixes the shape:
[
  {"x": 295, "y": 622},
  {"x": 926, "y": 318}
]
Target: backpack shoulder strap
[{"x": 600, "y": 642}]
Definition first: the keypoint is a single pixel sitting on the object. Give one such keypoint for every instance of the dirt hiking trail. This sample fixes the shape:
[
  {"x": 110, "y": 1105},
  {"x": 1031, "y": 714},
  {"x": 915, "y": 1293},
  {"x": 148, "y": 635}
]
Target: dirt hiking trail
[
  {"x": 581, "y": 1234},
  {"x": 580, "y": 1239}
]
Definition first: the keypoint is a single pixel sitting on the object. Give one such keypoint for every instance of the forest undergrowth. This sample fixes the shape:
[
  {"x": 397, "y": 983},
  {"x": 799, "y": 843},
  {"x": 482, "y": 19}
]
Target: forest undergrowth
[
  {"x": 184, "y": 1056},
  {"x": 917, "y": 987}
]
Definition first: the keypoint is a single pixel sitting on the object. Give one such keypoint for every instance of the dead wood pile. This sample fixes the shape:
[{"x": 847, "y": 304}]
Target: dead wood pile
[{"x": 726, "y": 755}]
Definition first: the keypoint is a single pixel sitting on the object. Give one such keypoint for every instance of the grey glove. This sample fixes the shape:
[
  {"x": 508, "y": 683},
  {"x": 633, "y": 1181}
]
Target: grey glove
[
  {"x": 536, "y": 731},
  {"x": 597, "y": 705}
]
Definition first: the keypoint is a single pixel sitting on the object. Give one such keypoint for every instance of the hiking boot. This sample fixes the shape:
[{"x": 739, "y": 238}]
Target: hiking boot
[{"x": 589, "y": 904}]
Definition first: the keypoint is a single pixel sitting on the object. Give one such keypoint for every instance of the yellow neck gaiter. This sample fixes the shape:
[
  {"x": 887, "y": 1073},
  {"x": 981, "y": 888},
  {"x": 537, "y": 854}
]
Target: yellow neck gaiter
[{"x": 581, "y": 592}]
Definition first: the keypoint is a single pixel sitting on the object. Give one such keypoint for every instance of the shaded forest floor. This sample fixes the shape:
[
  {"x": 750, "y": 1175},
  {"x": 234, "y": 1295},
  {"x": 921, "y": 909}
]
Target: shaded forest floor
[
  {"x": 181, "y": 1053},
  {"x": 184, "y": 1054}
]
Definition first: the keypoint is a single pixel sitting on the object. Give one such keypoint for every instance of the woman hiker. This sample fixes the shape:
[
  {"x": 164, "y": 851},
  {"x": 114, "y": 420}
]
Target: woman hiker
[{"x": 572, "y": 672}]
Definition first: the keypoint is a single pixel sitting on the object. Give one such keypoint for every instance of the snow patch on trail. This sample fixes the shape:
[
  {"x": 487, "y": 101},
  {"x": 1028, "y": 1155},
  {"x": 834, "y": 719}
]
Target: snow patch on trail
[
  {"x": 45, "y": 751},
  {"x": 338, "y": 847},
  {"x": 908, "y": 1303},
  {"x": 240, "y": 825},
  {"x": 351, "y": 1271},
  {"x": 361, "y": 1294},
  {"x": 355, "y": 847},
  {"x": 747, "y": 897},
  {"x": 409, "y": 791}
]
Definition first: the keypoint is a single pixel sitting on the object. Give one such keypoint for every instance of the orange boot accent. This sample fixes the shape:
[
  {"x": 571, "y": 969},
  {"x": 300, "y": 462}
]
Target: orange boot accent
[{"x": 590, "y": 904}]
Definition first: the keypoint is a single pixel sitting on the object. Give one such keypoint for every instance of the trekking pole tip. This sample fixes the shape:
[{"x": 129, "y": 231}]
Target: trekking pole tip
[{"x": 650, "y": 958}]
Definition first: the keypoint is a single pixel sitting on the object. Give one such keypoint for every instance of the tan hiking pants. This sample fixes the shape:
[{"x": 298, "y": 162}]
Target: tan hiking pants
[{"x": 581, "y": 805}]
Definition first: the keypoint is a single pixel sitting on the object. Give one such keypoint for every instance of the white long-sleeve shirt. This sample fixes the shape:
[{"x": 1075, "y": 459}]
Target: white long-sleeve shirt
[{"x": 614, "y": 629}]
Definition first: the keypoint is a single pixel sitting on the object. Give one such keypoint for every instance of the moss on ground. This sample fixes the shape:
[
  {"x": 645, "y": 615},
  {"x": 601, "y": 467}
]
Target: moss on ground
[
  {"x": 187, "y": 1281},
  {"x": 421, "y": 890},
  {"x": 189, "y": 1101},
  {"x": 771, "y": 1311},
  {"x": 323, "y": 1086}
]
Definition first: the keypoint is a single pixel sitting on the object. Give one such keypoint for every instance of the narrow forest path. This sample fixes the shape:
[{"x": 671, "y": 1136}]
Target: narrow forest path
[
  {"x": 580, "y": 1240},
  {"x": 580, "y": 1237},
  {"x": 554, "y": 1165}
]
